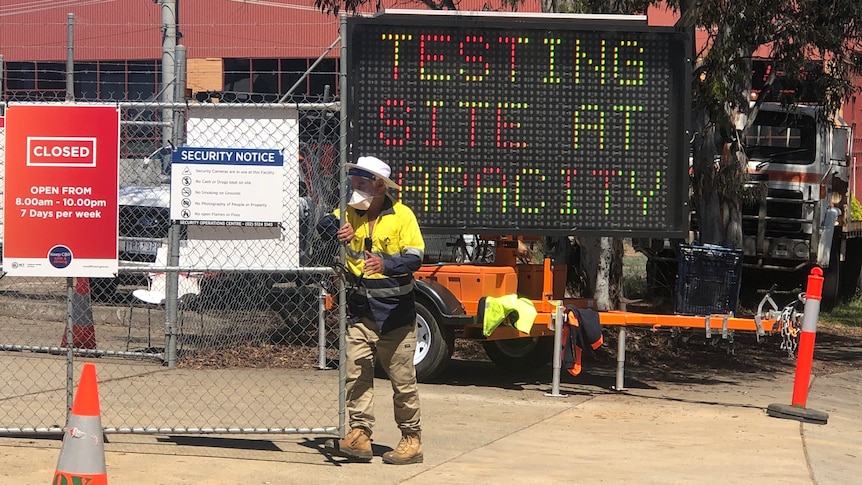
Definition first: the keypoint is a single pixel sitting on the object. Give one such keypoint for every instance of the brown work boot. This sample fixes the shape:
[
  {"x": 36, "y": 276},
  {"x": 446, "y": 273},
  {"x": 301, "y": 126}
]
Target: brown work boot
[
  {"x": 356, "y": 445},
  {"x": 409, "y": 450}
]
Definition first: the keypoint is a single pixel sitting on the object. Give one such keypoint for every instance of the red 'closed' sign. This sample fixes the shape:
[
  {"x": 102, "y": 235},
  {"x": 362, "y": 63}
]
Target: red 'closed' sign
[{"x": 60, "y": 203}]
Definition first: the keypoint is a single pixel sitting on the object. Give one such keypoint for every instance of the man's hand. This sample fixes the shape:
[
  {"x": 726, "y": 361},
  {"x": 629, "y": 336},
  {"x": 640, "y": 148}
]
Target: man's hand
[
  {"x": 345, "y": 233},
  {"x": 373, "y": 264}
]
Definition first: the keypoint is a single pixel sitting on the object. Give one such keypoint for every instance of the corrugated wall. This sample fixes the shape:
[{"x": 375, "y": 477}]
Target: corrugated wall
[
  {"x": 127, "y": 30},
  {"x": 131, "y": 29},
  {"x": 103, "y": 30}
]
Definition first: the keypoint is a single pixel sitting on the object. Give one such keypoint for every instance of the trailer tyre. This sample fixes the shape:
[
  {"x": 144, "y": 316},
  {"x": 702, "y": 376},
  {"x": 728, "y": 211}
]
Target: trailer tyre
[
  {"x": 520, "y": 354},
  {"x": 432, "y": 346}
]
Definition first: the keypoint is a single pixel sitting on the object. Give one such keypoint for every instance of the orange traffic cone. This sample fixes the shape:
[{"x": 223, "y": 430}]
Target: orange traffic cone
[
  {"x": 83, "y": 330},
  {"x": 82, "y": 457}
]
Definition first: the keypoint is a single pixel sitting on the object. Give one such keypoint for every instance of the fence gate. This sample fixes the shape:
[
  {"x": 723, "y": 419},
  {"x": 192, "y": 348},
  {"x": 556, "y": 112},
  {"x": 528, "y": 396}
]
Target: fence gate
[{"x": 208, "y": 327}]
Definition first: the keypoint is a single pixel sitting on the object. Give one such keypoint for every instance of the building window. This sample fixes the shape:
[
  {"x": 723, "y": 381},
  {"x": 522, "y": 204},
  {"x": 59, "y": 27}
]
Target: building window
[
  {"x": 35, "y": 81},
  {"x": 144, "y": 80},
  {"x": 87, "y": 81},
  {"x": 93, "y": 81},
  {"x": 267, "y": 80}
]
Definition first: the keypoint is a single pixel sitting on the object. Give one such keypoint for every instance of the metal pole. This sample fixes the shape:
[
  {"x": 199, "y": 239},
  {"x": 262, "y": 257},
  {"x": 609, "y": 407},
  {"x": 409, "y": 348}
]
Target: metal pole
[
  {"x": 321, "y": 329},
  {"x": 169, "y": 47},
  {"x": 70, "y": 357},
  {"x": 178, "y": 136},
  {"x": 621, "y": 360},
  {"x": 70, "y": 58},
  {"x": 342, "y": 204},
  {"x": 558, "y": 322},
  {"x": 172, "y": 297}
]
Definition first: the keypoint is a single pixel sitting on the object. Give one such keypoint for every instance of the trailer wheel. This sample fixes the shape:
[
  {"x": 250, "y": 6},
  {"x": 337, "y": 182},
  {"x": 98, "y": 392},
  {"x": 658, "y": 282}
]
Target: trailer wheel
[
  {"x": 432, "y": 346},
  {"x": 520, "y": 354}
]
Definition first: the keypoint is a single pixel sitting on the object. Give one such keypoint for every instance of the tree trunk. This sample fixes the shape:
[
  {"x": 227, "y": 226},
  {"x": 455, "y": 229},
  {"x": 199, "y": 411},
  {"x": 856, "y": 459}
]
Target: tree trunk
[
  {"x": 610, "y": 272},
  {"x": 602, "y": 262},
  {"x": 719, "y": 174}
]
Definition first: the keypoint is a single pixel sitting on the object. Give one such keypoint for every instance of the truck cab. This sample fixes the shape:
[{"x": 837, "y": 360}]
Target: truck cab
[{"x": 798, "y": 208}]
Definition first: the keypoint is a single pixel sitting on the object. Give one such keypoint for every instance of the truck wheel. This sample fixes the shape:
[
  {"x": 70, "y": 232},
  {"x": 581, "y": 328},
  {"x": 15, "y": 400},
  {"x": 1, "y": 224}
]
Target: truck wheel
[
  {"x": 850, "y": 269},
  {"x": 831, "y": 277},
  {"x": 432, "y": 348},
  {"x": 661, "y": 278},
  {"x": 520, "y": 354},
  {"x": 103, "y": 290}
]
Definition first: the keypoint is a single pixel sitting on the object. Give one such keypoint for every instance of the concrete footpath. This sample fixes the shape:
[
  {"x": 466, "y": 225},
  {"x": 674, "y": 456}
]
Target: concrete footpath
[{"x": 477, "y": 429}]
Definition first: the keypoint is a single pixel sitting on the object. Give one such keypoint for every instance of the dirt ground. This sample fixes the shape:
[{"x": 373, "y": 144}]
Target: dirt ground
[
  {"x": 837, "y": 348},
  {"x": 658, "y": 354},
  {"x": 650, "y": 355}
]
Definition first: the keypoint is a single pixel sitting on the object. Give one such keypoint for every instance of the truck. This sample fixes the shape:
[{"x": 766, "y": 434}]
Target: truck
[{"x": 804, "y": 208}]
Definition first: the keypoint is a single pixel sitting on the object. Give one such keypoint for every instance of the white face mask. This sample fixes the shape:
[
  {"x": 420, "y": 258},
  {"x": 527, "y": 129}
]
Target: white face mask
[{"x": 360, "y": 200}]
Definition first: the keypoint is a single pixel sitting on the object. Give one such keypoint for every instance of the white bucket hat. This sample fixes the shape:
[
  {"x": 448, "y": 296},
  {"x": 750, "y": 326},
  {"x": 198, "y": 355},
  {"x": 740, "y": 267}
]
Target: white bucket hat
[{"x": 376, "y": 167}]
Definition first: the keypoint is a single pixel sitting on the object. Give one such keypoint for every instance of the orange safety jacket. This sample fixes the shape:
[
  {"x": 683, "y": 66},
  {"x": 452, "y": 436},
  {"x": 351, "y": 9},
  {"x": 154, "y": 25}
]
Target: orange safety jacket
[{"x": 582, "y": 329}]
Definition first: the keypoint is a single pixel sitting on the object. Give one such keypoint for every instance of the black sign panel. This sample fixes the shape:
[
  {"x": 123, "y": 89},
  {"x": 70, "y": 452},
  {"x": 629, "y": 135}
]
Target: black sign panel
[{"x": 536, "y": 125}]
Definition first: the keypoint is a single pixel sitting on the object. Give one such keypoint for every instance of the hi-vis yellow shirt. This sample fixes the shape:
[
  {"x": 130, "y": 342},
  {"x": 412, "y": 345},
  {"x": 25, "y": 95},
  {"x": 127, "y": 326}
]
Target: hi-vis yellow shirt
[
  {"x": 396, "y": 239},
  {"x": 396, "y": 233}
]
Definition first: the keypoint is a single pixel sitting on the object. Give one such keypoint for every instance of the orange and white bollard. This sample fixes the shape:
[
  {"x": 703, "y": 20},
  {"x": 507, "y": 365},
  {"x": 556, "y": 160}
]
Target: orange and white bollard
[{"x": 804, "y": 357}]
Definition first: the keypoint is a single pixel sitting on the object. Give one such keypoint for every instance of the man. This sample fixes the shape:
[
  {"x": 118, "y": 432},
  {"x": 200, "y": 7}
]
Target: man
[{"x": 384, "y": 247}]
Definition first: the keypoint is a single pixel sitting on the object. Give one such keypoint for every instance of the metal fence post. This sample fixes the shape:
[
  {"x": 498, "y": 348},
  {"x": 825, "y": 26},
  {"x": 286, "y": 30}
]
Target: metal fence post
[
  {"x": 70, "y": 356},
  {"x": 321, "y": 329},
  {"x": 342, "y": 207},
  {"x": 70, "y": 58},
  {"x": 172, "y": 288}
]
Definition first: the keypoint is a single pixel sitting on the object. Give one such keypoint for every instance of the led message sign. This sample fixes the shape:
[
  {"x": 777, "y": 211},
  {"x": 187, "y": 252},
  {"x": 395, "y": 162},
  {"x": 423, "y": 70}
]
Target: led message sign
[{"x": 546, "y": 124}]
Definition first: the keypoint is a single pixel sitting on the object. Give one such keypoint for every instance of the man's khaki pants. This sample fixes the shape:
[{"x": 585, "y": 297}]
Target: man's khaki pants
[{"x": 395, "y": 351}]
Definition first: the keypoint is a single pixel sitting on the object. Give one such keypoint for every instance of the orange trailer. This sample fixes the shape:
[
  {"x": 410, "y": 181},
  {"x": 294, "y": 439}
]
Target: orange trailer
[{"x": 449, "y": 296}]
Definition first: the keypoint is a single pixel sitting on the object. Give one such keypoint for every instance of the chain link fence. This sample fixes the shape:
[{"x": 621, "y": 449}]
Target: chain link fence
[{"x": 228, "y": 329}]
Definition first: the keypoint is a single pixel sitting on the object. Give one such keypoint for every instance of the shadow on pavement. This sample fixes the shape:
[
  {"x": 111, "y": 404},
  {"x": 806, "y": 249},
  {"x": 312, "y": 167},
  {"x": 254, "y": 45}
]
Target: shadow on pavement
[{"x": 217, "y": 442}]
